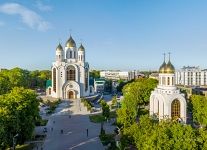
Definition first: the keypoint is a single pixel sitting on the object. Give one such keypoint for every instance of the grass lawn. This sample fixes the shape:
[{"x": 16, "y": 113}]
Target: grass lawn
[
  {"x": 98, "y": 118},
  {"x": 52, "y": 106},
  {"x": 24, "y": 147}
]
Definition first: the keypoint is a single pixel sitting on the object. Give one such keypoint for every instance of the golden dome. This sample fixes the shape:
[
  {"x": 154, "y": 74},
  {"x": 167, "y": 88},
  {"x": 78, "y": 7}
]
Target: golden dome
[
  {"x": 70, "y": 42},
  {"x": 59, "y": 47},
  {"x": 81, "y": 48},
  {"x": 162, "y": 68},
  {"x": 170, "y": 68}
]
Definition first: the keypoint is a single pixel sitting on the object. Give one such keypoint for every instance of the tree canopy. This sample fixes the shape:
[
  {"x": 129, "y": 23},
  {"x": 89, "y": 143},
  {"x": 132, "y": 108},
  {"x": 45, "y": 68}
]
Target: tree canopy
[
  {"x": 149, "y": 134},
  {"x": 199, "y": 109},
  {"x": 94, "y": 74},
  {"x": 19, "y": 111},
  {"x": 136, "y": 94},
  {"x": 18, "y": 77}
]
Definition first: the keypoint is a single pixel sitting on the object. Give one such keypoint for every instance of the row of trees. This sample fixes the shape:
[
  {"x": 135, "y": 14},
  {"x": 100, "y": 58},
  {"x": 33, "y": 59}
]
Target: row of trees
[
  {"x": 136, "y": 96},
  {"x": 18, "y": 77}
]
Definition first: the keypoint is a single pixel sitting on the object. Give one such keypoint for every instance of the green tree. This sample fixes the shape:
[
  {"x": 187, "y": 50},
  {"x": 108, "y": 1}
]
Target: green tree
[
  {"x": 5, "y": 84},
  {"x": 94, "y": 74},
  {"x": 201, "y": 139},
  {"x": 20, "y": 108},
  {"x": 138, "y": 93},
  {"x": 114, "y": 101},
  {"x": 199, "y": 107},
  {"x": 150, "y": 134},
  {"x": 105, "y": 109}
]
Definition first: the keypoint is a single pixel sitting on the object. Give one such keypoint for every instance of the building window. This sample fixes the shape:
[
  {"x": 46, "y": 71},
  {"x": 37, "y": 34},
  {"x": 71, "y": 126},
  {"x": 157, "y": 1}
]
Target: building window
[
  {"x": 163, "y": 80},
  {"x": 172, "y": 81},
  {"x": 54, "y": 79},
  {"x": 86, "y": 79},
  {"x": 168, "y": 80},
  {"x": 74, "y": 54},
  {"x": 175, "y": 109},
  {"x": 70, "y": 54},
  {"x": 71, "y": 73}
]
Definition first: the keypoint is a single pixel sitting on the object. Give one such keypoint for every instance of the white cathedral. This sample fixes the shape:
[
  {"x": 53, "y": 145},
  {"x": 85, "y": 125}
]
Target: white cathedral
[
  {"x": 70, "y": 72},
  {"x": 166, "y": 101}
]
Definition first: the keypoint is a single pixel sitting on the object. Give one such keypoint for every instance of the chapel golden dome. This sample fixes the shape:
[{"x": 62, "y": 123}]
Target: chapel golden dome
[
  {"x": 70, "y": 42},
  {"x": 162, "y": 68},
  {"x": 167, "y": 68},
  {"x": 81, "y": 48},
  {"x": 170, "y": 68},
  {"x": 59, "y": 47}
]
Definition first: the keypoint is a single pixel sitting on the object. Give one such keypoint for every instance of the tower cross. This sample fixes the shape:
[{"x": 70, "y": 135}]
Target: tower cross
[
  {"x": 169, "y": 55},
  {"x": 164, "y": 56},
  {"x": 70, "y": 31}
]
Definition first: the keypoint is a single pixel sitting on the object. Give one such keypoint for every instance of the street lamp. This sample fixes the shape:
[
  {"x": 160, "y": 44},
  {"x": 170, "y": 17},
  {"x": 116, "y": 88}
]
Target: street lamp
[{"x": 14, "y": 140}]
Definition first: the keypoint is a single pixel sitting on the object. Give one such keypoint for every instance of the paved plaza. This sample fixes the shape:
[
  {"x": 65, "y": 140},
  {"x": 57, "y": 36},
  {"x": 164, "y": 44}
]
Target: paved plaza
[{"x": 72, "y": 118}]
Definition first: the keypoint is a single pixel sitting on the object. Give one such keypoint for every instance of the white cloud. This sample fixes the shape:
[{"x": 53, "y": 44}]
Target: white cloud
[
  {"x": 29, "y": 17},
  {"x": 43, "y": 7}
]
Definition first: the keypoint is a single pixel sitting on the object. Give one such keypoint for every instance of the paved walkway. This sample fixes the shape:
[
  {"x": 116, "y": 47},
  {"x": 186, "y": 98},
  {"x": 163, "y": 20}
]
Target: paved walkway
[{"x": 74, "y": 136}]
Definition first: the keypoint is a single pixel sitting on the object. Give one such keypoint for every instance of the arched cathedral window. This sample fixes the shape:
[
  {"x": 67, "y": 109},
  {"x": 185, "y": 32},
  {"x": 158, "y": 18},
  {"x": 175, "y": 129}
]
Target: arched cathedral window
[
  {"x": 71, "y": 73},
  {"x": 175, "y": 109},
  {"x": 172, "y": 81},
  {"x": 74, "y": 54},
  {"x": 163, "y": 80},
  {"x": 168, "y": 80},
  {"x": 70, "y": 54},
  {"x": 54, "y": 79}
]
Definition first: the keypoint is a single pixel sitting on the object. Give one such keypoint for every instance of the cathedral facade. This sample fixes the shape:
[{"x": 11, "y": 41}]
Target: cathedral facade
[
  {"x": 166, "y": 101},
  {"x": 70, "y": 72}
]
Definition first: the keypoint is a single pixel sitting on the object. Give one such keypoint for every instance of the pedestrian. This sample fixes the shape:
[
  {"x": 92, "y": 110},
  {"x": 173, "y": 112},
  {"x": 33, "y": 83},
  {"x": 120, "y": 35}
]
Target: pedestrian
[
  {"x": 87, "y": 132},
  {"x": 53, "y": 121},
  {"x": 61, "y": 131},
  {"x": 52, "y": 129}
]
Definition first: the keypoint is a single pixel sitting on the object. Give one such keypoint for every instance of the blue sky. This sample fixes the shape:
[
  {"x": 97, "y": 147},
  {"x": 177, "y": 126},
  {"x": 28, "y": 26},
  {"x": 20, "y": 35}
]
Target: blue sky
[{"x": 117, "y": 34}]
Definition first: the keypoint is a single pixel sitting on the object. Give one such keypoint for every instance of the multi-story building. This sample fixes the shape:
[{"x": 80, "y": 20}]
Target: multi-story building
[
  {"x": 117, "y": 75},
  {"x": 99, "y": 85},
  {"x": 191, "y": 76}
]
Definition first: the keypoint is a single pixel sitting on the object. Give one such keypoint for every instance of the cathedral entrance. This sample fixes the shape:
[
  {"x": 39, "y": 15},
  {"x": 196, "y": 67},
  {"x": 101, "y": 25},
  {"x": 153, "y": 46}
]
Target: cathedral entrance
[
  {"x": 175, "y": 109},
  {"x": 71, "y": 95}
]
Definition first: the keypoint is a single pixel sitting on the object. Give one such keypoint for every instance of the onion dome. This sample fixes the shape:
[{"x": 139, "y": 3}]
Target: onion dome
[
  {"x": 70, "y": 42},
  {"x": 170, "y": 68},
  {"x": 163, "y": 68},
  {"x": 81, "y": 48},
  {"x": 59, "y": 47}
]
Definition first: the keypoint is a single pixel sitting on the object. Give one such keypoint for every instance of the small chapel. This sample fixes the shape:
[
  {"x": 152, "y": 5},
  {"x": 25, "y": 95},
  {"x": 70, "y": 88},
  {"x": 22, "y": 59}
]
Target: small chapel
[
  {"x": 70, "y": 72},
  {"x": 166, "y": 101}
]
